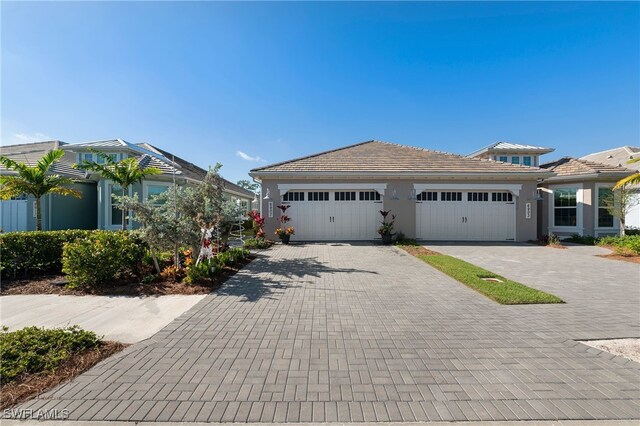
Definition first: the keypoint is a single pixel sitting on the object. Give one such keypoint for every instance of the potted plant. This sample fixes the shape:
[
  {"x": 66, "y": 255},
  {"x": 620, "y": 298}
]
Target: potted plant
[
  {"x": 283, "y": 232},
  {"x": 386, "y": 229}
]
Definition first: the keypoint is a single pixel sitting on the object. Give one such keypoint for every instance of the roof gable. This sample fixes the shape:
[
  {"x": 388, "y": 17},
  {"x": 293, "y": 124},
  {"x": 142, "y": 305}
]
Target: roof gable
[{"x": 377, "y": 157}]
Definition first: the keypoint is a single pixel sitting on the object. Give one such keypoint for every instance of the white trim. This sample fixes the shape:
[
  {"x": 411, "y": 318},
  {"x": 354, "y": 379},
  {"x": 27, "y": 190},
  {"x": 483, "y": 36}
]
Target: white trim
[
  {"x": 579, "y": 228},
  {"x": 596, "y": 207},
  {"x": 107, "y": 207},
  {"x": 526, "y": 173},
  {"x": 286, "y": 187},
  {"x": 513, "y": 188}
]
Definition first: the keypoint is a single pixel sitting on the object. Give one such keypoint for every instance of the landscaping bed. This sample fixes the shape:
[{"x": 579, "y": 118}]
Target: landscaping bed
[
  {"x": 626, "y": 248},
  {"x": 493, "y": 286},
  {"x": 35, "y": 360},
  {"x": 51, "y": 285}
]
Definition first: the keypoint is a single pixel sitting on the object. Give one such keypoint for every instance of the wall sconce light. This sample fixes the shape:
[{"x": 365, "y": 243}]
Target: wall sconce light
[
  {"x": 537, "y": 195},
  {"x": 267, "y": 195},
  {"x": 412, "y": 194},
  {"x": 394, "y": 195}
]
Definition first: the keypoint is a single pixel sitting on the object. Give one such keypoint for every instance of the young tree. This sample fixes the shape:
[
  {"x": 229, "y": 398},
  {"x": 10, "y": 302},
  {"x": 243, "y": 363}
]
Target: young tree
[
  {"x": 251, "y": 186},
  {"x": 125, "y": 173},
  {"x": 619, "y": 203},
  {"x": 35, "y": 180}
]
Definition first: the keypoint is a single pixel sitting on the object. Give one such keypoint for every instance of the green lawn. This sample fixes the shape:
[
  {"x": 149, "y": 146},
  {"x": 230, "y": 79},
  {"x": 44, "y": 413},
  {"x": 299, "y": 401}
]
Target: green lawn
[{"x": 507, "y": 292}]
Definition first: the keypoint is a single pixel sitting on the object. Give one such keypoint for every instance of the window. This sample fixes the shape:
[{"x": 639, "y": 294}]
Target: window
[
  {"x": 100, "y": 158},
  {"x": 477, "y": 196},
  {"x": 504, "y": 158},
  {"x": 87, "y": 156},
  {"x": 293, "y": 196},
  {"x": 526, "y": 160},
  {"x": 345, "y": 195},
  {"x": 155, "y": 190},
  {"x": 369, "y": 196},
  {"x": 114, "y": 212},
  {"x": 318, "y": 196},
  {"x": 427, "y": 196},
  {"x": 515, "y": 160},
  {"x": 451, "y": 196},
  {"x": 501, "y": 196},
  {"x": 565, "y": 207},
  {"x": 605, "y": 219}
]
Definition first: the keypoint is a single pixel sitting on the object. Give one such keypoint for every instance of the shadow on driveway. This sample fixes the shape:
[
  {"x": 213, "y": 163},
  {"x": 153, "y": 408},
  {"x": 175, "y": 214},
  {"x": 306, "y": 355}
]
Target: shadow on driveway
[{"x": 264, "y": 277}]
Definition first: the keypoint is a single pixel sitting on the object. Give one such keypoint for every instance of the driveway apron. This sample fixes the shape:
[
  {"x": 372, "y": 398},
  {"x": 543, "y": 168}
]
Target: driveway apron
[{"x": 362, "y": 333}]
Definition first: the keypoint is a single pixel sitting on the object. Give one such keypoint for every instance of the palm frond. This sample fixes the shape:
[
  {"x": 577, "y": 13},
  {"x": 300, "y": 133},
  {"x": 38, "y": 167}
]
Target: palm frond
[
  {"x": 629, "y": 180},
  {"x": 633, "y": 160},
  {"x": 61, "y": 190},
  {"x": 48, "y": 159},
  {"x": 10, "y": 164},
  {"x": 13, "y": 186}
]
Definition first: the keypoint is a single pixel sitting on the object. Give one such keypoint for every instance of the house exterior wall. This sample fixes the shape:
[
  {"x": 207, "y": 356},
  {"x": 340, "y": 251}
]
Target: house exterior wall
[
  {"x": 74, "y": 213},
  {"x": 404, "y": 208},
  {"x": 587, "y": 209}
]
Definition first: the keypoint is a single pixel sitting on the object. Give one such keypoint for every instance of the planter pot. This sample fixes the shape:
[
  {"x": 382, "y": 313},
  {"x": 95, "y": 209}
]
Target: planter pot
[
  {"x": 285, "y": 239},
  {"x": 387, "y": 239}
]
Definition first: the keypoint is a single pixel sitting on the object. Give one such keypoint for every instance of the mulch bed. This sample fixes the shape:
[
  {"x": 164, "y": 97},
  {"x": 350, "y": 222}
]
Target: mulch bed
[
  {"x": 47, "y": 285},
  {"x": 32, "y": 385},
  {"x": 614, "y": 256},
  {"x": 542, "y": 243},
  {"x": 419, "y": 251}
]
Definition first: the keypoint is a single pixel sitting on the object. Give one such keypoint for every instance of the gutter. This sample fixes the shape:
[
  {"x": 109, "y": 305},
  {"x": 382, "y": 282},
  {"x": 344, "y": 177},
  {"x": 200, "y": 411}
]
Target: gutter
[{"x": 368, "y": 175}]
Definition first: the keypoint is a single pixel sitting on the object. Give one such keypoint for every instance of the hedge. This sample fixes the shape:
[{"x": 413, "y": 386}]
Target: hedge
[{"x": 35, "y": 252}]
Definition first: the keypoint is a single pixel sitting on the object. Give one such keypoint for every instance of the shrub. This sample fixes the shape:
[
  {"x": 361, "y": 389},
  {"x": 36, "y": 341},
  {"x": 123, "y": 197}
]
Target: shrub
[
  {"x": 627, "y": 245},
  {"x": 551, "y": 240},
  {"x": 582, "y": 239},
  {"x": 100, "y": 257},
  {"x": 203, "y": 270},
  {"x": 35, "y": 252},
  {"x": 257, "y": 243},
  {"x": 36, "y": 350},
  {"x": 230, "y": 257}
]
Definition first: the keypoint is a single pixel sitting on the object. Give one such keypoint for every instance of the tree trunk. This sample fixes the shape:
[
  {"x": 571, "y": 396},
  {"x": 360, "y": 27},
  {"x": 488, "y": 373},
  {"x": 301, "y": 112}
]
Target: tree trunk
[
  {"x": 622, "y": 230},
  {"x": 124, "y": 216},
  {"x": 38, "y": 215},
  {"x": 155, "y": 260}
]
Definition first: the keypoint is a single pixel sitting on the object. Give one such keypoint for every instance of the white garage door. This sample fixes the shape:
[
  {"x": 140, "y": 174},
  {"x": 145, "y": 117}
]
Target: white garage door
[
  {"x": 333, "y": 215},
  {"x": 465, "y": 216}
]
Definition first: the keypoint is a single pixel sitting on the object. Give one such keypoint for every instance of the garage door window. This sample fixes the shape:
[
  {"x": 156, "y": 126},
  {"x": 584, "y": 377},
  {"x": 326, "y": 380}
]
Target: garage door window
[
  {"x": 451, "y": 196},
  {"x": 502, "y": 196},
  {"x": 428, "y": 196},
  {"x": 293, "y": 196},
  {"x": 318, "y": 196},
  {"x": 477, "y": 196},
  {"x": 345, "y": 196},
  {"x": 369, "y": 196},
  {"x": 565, "y": 207}
]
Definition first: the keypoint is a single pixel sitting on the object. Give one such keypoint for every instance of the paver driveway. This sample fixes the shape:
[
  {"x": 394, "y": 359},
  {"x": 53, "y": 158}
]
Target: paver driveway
[{"x": 333, "y": 332}]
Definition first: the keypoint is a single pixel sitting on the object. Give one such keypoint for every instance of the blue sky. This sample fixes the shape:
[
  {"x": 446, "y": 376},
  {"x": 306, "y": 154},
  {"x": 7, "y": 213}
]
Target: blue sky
[{"x": 280, "y": 80}]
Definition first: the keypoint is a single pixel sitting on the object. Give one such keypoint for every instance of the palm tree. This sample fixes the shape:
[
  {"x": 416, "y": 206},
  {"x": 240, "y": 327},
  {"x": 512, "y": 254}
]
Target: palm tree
[
  {"x": 125, "y": 173},
  {"x": 629, "y": 180},
  {"x": 35, "y": 180}
]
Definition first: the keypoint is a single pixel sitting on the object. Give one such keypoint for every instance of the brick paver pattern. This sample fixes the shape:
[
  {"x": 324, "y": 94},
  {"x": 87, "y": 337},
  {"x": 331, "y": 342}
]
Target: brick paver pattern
[{"x": 339, "y": 332}]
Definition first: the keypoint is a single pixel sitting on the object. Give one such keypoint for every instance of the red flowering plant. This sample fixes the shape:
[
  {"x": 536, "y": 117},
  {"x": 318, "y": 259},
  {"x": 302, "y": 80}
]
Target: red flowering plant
[
  {"x": 284, "y": 231},
  {"x": 257, "y": 224}
]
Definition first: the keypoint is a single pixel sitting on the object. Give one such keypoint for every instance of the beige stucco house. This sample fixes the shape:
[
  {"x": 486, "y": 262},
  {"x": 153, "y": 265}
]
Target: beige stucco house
[{"x": 337, "y": 194}]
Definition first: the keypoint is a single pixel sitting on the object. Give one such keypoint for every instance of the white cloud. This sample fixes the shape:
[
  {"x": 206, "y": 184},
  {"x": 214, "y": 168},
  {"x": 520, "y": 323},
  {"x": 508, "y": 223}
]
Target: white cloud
[
  {"x": 35, "y": 137},
  {"x": 247, "y": 157}
]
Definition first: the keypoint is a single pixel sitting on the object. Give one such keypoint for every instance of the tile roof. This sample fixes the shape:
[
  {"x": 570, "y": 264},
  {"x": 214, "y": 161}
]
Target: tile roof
[
  {"x": 378, "y": 157},
  {"x": 510, "y": 146},
  {"x": 192, "y": 171},
  {"x": 30, "y": 153},
  {"x": 616, "y": 157},
  {"x": 568, "y": 166},
  {"x": 148, "y": 155}
]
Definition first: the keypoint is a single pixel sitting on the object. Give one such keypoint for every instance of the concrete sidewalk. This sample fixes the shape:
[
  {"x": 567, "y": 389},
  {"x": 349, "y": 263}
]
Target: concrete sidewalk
[
  {"x": 120, "y": 318},
  {"x": 519, "y": 423}
]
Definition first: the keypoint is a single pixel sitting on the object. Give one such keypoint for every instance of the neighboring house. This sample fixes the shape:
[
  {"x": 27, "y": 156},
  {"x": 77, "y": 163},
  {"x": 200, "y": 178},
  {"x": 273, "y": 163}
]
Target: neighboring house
[
  {"x": 96, "y": 209},
  {"x": 514, "y": 153},
  {"x": 619, "y": 157},
  {"x": 573, "y": 200},
  {"x": 337, "y": 194}
]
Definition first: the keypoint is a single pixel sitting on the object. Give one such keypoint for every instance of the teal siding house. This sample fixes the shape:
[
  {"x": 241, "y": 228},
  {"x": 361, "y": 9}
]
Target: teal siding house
[{"x": 96, "y": 208}]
